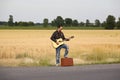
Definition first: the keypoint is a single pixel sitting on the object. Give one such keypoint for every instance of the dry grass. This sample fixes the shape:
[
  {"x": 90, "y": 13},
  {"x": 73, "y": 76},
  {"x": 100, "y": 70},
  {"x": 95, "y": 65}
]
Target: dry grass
[{"x": 33, "y": 47}]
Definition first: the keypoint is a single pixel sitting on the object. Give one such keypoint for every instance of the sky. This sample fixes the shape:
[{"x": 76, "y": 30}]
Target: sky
[{"x": 37, "y": 10}]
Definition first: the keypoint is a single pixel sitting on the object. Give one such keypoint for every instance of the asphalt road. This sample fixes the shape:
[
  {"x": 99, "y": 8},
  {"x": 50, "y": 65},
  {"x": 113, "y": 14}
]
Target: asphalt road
[{"x": 86, "y": 72}]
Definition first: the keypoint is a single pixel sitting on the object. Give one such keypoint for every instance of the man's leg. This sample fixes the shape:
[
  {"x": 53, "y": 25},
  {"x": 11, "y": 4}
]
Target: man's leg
[
  {"x": 58, "y": 55},
  {"x": 58, "y": 52},
  {"x": 66, "y": 50}
]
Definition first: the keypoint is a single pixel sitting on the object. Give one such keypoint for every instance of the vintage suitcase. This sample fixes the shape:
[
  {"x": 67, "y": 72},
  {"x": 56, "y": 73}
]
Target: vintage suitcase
[{"x": 66, "y": 61}]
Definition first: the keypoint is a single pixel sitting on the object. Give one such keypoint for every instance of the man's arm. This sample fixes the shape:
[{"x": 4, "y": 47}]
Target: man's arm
[
  {"x": 53, "y": 37},
  {"x": 66, "y": 39}
]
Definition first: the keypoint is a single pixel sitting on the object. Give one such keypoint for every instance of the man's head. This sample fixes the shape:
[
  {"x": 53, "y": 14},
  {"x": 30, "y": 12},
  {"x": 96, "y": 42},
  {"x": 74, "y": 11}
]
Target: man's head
[{"x": 60, "y": 27}]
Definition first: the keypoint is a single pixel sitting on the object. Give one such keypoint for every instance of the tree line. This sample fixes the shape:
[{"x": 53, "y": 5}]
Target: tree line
[{"x": 110, "y": 23}]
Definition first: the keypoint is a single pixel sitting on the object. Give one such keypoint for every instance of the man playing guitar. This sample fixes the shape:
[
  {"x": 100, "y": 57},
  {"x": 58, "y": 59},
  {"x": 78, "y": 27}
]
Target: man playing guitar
[{"x": 57, "y": 39}]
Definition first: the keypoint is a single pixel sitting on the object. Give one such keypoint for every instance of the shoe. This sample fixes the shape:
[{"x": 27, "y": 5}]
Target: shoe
[
  {"x": 65, "y": 56},
  {"x": 57, "y": 64}
]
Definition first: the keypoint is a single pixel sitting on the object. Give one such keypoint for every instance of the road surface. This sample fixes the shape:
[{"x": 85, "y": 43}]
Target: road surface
[{"x": 86, "y": 72}]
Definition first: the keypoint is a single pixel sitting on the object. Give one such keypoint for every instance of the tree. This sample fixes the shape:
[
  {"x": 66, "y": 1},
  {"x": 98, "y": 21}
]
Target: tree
[
  {"x": 68, "y": 22},
  {"x": 3, "y": 23},
  {"x": 16, "y": 23},
  {"x": 59, "y": 21},
  {"x": 82, "y": 24},
  {"x": 97, "y": 23},
  {"x": 110, "y": 22},
  {"x": 45, "y": 22},
  {"x": 87, "y": 23},
  {"x": 75, "y": 23},
  {"x": 103, "y": 24},
  {"x": 53, "y": 23},
  {"x": 23, "y": 23},
  {"x": 30, "y": 23},
  {"x": 10, "y": 21},
  {"x": 118, "y": 23}
]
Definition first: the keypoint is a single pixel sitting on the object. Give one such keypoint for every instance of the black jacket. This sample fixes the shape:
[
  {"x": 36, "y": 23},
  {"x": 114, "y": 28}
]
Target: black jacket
[{"x": 57, "y": 35}]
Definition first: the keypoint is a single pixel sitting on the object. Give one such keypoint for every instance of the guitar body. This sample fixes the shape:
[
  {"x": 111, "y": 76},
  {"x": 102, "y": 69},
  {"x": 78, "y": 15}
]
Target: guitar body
[{"x": 60, "y": 41}]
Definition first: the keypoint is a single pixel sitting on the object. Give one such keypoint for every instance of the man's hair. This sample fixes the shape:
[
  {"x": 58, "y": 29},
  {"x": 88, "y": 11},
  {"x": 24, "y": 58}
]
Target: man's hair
[{"x": 59, "y": 26}]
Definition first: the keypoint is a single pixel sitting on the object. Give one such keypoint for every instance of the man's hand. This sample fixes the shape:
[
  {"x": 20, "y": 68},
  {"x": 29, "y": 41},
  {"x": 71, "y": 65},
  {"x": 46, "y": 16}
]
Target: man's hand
[
  {"x": 67, "y": 39},
  {"x": 57, "y": 43}
]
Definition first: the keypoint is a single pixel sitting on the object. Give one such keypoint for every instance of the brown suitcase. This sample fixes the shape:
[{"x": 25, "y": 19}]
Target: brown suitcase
[{"x": 66, "y": 61}]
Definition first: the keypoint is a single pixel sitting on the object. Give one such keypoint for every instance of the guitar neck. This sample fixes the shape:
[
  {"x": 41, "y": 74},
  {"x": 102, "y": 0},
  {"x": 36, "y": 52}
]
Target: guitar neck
[
  {"x": 71, "y": 37},
  {"x": 67, "y": 39}
]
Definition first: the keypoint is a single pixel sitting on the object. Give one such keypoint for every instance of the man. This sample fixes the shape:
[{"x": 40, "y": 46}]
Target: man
[{"x": 57, "y": 35}]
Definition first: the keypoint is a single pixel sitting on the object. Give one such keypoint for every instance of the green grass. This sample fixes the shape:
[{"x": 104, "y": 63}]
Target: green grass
[{"x": 49, "y": 28}]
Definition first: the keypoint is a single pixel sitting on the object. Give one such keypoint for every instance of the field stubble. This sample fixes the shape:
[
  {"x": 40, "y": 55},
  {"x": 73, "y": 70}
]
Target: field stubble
[{"x": 33, "y": 47}]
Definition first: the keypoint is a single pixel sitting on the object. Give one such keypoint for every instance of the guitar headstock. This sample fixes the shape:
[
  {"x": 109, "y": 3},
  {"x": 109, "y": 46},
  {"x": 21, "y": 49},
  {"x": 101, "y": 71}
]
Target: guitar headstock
[{"x": 72, "y": 37}]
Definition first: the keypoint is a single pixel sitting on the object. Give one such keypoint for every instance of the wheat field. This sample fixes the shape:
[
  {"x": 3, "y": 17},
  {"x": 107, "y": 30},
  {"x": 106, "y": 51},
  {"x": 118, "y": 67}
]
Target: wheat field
[{"x": 34, "y": 48}]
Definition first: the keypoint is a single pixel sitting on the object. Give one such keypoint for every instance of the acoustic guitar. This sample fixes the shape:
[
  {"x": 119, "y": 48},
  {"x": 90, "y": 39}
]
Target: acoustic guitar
[{"x": 60, "y": 41}]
